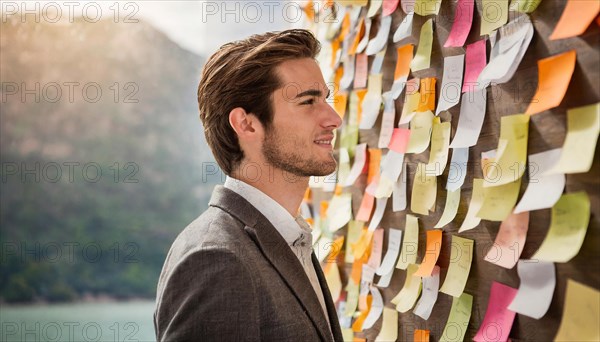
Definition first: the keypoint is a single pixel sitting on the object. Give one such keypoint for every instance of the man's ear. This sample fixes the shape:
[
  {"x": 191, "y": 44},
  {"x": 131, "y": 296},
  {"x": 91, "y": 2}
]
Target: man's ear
[{"x": 245, "y": 125}]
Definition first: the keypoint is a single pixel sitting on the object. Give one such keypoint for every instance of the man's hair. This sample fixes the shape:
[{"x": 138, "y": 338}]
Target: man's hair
[{"x": 242, "y": 74}]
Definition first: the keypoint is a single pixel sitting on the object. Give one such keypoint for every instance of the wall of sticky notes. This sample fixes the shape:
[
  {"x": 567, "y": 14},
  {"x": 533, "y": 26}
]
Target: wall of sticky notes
[{"x": 468, "y": 183}]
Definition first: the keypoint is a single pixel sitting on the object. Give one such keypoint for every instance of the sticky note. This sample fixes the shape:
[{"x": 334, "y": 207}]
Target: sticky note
[
  {"x": 361, "y": 72},
  {"x": 376, "y": 309},
  {"x": 427, "y": 90},
  {"x": 340, "y": 99},
  {"x": 575, "y": 19},
  {"x": 524, "y": 6},
  {"x": 389, "y": 326},
  {"x": 431, "y": 286},
  {"x": 374, "y": 163},
  {"x": 583, "y": 127},
  {"x": 461, "y": 255},
  {"x": 358, "y": 323},
  {"x": 569, "y": 222},
  {"x": 385, "y": 186},
  {"x": 406, "y": 298},
  {"x": 499, "y": 201},
  {"x": 440, "y": 140},
  {"x": 458, "y": 168},
  {"x": 351, "y": 298},
  {"x": 408, "y": 6},
  {"x": 387, "y": 120},
  {"x": 409, "y": 109},
  {"x": 427, "y": 7},
  {"x": 543, "y": 190},
  {"x": 352, "y": 236},
  {"x": 420, "y": 132},
  {"x": 581, "y": 314},
  {"x": 470, "y": 121},
  {"x": 399, "y": 141},
  {"x": 391, "y": 255},
  {"x": 498, "y": 319},
  {"x": 389, "y": 6},
  {"x": 451, "y": 83},
  {"x": 374, "y": 8},
  {"x": 391, "y": 166},
  {"x": 363, "y": 243},
  {"x": 399, "y": 192},
  {"x": 463, "y": 18},
  {"x": 349, "y": 69},
  {"x": 410, "y": 245},
  {"x": 432, "y": 252},
  {"x": 509, "y": 163},
  {"x": 405, "y": 54},
  {"x": 510, "y": 241},
  {"x": 371, "y": 103},
  {"x": 423, "y": 56},
  {"x": 378, "y": 61},
  {"x": 458, "y": 320},
  {"x": 424, "y": 190},
  {"x": 379, "y": 42},
  {"x": 376, "y": 249},
  {"x": 421, "y": 335},
  {"x": 450, "y": 209},
  {"x": 360, "y": 158},
  {"x": 339, "y": 211},
  {"x": 334, "y": 282},
  {"x": 475, "y": 62},
  {"x": 404, "y": 30},
  {"x": 471, "y": 219},
  {"x": 554, "y": 75},
  {"x": 538, "y": 279},
  {"x": 359, "y": 34},
  {"x": 494, "y": 15}
]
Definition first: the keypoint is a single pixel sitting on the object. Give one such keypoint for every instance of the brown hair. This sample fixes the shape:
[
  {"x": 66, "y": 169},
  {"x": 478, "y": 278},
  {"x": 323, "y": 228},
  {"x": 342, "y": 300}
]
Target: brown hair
[{"x": 242, "y": 74}]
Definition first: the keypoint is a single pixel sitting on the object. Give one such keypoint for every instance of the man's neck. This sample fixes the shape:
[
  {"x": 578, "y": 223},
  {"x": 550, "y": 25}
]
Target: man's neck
[{"x": 283, "y": 187}]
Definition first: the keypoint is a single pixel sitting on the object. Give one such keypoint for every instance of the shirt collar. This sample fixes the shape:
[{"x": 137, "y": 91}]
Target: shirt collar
[{"x": 295, "y": 231}]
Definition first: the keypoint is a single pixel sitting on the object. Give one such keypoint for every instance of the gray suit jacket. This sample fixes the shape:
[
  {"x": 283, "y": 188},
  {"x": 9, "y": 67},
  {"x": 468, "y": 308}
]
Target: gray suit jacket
[{"x": 230, "y": 276}]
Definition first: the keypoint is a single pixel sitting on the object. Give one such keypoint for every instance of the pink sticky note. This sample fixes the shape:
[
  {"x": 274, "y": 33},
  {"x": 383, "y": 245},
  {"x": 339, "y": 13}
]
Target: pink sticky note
[
  {"x": 510, "y": 241},
  {"x": 463, "y": 18},
  {"x": 389, "y": 6},
  {"x": 361, "y": 71},
  {"x": 399, "y": 140},
  {"x": 498, "y": 319},
  {"x": 475, "y": 61},
  {"x": 376, "y": 249}
]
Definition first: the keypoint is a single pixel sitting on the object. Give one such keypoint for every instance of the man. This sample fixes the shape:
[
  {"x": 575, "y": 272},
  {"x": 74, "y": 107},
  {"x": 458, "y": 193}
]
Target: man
[{"x": 245, "y": 269}]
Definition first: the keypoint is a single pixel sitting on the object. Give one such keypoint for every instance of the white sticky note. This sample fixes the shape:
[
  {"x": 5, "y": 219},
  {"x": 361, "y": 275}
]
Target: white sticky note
[
  {"x": 371, "y": 103},
  {"x": 404, "y": 30},
  {"x": 360, "y": 156},
  {"x": 376, "y": 309},
  {"x": 365, "y": 40},
  {"x": 399, "y": 192},
  {"x": 451, "y": 83},
  {"x": 458, "y": 168},
  {"x": 348, "y": 76},
  {"x": 471, "y": 220},
  {"x": 389, "y": 261},
  {"x": 339, "y": 211},
  {"x": 538, "y": 279},
  {"x": 374, "y": 8},
  {"x": 543, "y": 191},
  {"x": 385, "y": 279},
  {"x": 470, "y": 121},
  {"x": 379, "y": 42},
  {"x": 387, "y": 120},
  {"x": 450, "y": 209},
  {"x": 380, "y": 204},
  {"x": 391, "y": 165},
  {"x": 429, "y": 295}
]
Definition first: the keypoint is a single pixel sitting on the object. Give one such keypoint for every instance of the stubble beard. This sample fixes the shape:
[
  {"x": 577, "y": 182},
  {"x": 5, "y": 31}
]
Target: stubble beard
[{"x": 286, "y": 154}]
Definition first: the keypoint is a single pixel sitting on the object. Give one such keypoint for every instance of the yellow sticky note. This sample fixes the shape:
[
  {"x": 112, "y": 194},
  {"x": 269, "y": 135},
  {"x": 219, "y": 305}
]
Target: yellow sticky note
[
  {"x": 352, "y": 236},
  {"x": 420, "y": 132},
  {"x": 554, "y": 75},
  {"x": 334, "y": 282},
  {"x": 352, "y": 293},
  {"x": 451, "y": 208},
  {"x": 406, "y": 298},
  {"x": 427, "y": 7},
  {"x": 410, "y": 243},
  {"x": 432, "y": 252},
  {"x": 389, "y": 326},
  {"x": 440, "y": 140},
  {"x": 570, "y": 219},
  {"x": 461, "y": 255},
  {"x": 424, "y": 190},
  {"x": 494, "y": 15},
  {"x": 499, "y": 201},
  {"x": 458, "y": 320},
  {"x": 524, "y": 6},
  {"x": 361, "y": 3},
  {"x": 511, "y": 155},
  {"x": 422, "y": 58},
  {"x": 472, "y": 220},
  {"x": 581, "y": 314},
  {"x": 360, "y": 247},
  {"x": 583, "y": 127},
  {"x": 347, "y": 334},
  {"x": 411, "y": 103}
]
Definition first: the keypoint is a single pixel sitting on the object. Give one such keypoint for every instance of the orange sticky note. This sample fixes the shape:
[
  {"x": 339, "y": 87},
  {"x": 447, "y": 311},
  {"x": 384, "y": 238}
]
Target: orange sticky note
[
  {"x": 307, "y": 197},
  {"x": 554, "y": 75},
  {"x": 356, "y": 270},
  {"x": 345, "y": 27},
  {"x": 335, "y": 249},
  {"x": 374, "y": 161},
  {"x": 576, "y": 17},
  {"x": 339, "y": 103},
  {"x": 335, "y": 46},
  {"x": 421, "y": 335},
  {"x": 434, "y": 244},
  {"x": 361, "y": 96},
  {"x": 361, "y": 246},
  {"x": 366, "y": 207},
  {"x": 360, "y": 27},
  {"x": 339, "y": 73},
  {"x": 405, "y": 55},
  {"x": 323, "y": 209},
  {"x": 357, "y": 325},
  {"x": 399, "y": 141},
  {"x": 427, "y": 101}
]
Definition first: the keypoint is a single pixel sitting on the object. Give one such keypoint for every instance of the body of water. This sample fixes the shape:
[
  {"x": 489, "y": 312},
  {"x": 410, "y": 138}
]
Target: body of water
[{"x": 118, "y": 321}]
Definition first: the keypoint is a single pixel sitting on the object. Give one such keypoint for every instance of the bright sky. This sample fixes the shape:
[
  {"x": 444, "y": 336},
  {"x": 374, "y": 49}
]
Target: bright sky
[{"x": 201, "y": 26}]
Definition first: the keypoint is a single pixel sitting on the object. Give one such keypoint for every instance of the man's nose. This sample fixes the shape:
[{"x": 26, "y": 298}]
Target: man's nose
[{"x": 333, "y": 119}]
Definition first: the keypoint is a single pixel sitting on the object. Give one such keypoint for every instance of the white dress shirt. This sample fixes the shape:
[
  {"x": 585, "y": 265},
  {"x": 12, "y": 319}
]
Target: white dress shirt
[{"x": 295, "y": 231}]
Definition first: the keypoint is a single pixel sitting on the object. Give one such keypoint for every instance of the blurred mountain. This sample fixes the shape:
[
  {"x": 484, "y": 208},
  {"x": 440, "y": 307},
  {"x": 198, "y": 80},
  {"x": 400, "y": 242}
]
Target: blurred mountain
[{"x": 102, "y": 153}]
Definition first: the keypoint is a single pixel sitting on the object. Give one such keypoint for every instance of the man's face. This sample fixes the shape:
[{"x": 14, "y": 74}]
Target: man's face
[{"x": 299, "y": 141}]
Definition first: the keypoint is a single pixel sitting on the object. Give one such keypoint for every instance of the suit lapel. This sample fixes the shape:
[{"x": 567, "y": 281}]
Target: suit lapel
[
  {"x": 333, "y": 318},
  {"x": 277, "y": 252}
]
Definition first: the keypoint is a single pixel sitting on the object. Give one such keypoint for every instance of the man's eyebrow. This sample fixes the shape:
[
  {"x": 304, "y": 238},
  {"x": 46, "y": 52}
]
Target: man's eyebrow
[{"x": 313, "y": 92}]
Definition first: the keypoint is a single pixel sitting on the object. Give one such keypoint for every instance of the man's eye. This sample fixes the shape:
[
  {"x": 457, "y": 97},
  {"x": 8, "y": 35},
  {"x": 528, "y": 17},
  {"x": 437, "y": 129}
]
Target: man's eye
[{"x": 308, "y": 102}]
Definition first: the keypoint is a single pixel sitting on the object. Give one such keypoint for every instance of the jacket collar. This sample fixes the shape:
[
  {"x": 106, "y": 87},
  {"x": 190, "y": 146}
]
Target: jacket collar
[{"x": 278, "y": 252}]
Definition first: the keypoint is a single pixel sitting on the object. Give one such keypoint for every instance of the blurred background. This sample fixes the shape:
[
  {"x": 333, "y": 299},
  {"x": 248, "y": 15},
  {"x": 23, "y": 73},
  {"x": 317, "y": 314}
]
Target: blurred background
[{"x": 103, "y": 157}]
